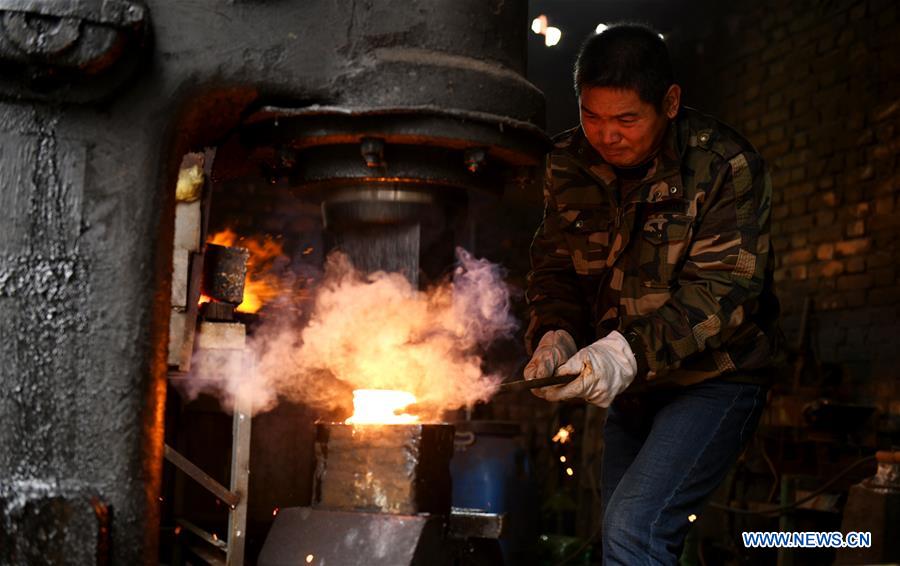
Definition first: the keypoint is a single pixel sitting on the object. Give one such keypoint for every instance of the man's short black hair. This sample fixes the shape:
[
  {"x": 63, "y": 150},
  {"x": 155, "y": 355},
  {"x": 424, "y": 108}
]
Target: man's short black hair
[{"x": 631, "y": 56}]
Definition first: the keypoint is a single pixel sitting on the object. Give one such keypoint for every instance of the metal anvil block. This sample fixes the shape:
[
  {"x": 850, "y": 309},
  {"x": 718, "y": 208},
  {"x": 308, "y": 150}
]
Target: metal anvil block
[{"x": 401, "y": 469}]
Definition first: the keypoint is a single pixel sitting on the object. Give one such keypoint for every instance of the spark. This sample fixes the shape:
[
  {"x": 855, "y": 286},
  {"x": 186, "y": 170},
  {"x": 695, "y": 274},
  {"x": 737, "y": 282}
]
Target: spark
[
  {"x": 570, "y": 472},
  {"x": 601, "y": 28},
  {"x": 692, "y": 517},
  {"x": 564, "y": 434},
  {"x": 539, "y": 24},
  {"x": 309, "y": 558},
  {"x": 562, "y": 459},
  {"x": 274, "y": 511},
  {"x": 552, "y": 36}
]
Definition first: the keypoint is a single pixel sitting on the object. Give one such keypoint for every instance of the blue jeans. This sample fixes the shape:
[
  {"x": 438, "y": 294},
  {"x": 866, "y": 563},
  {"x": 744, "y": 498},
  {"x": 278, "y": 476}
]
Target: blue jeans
[{"x": 665, "y": 452}]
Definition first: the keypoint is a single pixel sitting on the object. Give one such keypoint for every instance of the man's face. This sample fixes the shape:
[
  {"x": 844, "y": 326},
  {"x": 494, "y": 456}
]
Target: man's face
[{"x": 624, "y": 129}]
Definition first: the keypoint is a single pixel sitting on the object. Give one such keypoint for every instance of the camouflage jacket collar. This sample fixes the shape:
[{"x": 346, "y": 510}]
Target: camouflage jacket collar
[{"x": 663, "y": 178}]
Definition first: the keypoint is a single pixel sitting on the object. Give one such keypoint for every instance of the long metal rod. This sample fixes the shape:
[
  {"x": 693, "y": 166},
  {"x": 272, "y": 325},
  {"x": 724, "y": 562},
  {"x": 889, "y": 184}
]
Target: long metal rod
[
  {"x": 526, "y": 384},
  {"x": 202, "y": 534},
  {"x": 201, "y": 477}
]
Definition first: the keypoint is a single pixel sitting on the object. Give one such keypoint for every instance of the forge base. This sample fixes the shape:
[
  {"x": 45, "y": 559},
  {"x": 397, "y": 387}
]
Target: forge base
[
  {"x": 351, "y": 539},
  {"x": 348, "y": 538},
  {"x": 400, "y": 469}
]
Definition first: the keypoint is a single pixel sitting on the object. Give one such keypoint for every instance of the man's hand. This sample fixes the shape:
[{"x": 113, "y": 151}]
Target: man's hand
[
  {"x": 552, "y": 351},
  {"x": 604, "y": 369}
]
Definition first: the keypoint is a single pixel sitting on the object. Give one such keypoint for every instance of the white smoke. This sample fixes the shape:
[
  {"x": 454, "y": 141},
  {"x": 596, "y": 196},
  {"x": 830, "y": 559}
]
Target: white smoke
[{"x": 373, "y": 331}]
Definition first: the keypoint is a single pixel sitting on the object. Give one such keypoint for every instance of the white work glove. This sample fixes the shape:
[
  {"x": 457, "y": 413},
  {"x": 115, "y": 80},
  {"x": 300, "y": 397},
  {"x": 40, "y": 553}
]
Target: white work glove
[
  {"x": 604, "y": 369},
  {"x": 552, "y": 351}
]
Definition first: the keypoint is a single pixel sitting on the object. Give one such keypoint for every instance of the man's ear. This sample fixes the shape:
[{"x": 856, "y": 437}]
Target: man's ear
[{"x": 672, "y": 101}]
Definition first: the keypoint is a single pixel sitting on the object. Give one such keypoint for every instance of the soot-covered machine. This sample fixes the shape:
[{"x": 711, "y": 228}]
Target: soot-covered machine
[{"x": 389, "y": 111}]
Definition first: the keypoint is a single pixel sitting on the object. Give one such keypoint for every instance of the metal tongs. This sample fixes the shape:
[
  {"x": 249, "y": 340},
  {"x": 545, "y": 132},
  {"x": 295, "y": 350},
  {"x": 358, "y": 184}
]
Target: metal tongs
[{"x": 527, "y": 384}]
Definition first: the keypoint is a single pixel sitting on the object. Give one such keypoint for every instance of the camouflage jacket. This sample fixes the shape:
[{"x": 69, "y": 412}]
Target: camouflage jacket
[{"x": 681, "y": 265}]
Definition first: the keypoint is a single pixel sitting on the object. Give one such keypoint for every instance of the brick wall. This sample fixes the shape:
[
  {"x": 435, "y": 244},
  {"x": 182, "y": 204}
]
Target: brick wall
[{"x": 816, "y": 88}]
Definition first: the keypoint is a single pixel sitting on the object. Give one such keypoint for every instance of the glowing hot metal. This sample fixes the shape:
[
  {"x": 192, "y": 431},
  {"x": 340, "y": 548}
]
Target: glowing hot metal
[{"x": 380, "y": 406}]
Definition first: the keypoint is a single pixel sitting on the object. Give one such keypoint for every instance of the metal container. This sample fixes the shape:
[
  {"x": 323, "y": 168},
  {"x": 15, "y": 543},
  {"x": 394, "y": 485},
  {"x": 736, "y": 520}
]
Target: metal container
[
  {"x": 398, "y": 469},
  {"x": 492, "y": 471}
]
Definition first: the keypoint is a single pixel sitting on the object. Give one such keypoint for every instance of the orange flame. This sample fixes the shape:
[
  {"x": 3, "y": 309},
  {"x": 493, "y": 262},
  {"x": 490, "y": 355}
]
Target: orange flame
[
  {"x": 260, "y": 286},
  {"x": 380, "y": 406}
]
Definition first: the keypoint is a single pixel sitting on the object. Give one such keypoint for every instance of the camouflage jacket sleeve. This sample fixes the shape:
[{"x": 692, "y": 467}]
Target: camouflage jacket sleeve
[
  {"x": 722, "y": 276},
  {"x": 553, "y": 292}
]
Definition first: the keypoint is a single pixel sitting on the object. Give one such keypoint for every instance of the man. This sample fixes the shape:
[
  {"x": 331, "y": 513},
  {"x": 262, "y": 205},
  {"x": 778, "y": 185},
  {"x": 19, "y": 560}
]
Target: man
[{"x": 653, "y": 258}]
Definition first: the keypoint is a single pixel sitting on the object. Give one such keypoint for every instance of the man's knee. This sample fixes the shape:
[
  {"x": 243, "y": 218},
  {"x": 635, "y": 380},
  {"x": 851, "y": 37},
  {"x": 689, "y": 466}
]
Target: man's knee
[
  {"x": 626, "y": 528},
  {"x": 633, "y": 533}
]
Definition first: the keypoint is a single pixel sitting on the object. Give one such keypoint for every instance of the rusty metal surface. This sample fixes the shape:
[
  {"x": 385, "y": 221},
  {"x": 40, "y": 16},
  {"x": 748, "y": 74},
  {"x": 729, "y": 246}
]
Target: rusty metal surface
[
  {"x": 322, "y": 149},
  {"x": 475, "y": 523},
  {"x": 224, "y": 272},
  {"x": 51, "y": 48},
  {"x": 46, "y": 522},
  {"x": 401, "y": 469},
  {"x": 353, "y": 539}
]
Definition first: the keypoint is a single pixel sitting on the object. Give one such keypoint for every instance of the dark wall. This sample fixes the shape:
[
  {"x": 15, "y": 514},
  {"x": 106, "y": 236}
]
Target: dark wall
[{"x": 816, "y": 87}]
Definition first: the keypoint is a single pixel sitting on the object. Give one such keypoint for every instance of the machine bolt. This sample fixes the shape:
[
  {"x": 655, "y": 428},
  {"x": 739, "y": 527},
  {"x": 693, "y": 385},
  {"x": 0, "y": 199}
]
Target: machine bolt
[
  {"x": 475, "y": 159},
  {"x": 372, "y": 150}
]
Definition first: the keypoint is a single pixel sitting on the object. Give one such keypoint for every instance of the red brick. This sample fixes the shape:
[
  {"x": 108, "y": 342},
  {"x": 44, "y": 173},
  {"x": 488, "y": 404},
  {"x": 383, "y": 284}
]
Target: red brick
[
  {"x": 825, "y": 217},
  {"x": 798, "y": 273},
  {"x": 830, "y": 302},
  {"x": 855, "y": 299},
  {"x": 884, "y": 276},
  {"x": 883, "y": 222},
  {"x": 780, "y": 211},
  {"x": 889, "y": 186},
  {"x": 797, "y": 206},
  {"x": 884, "y": 296},
  {"x": 831, "y": 233},
  {"x": 825, "y": 251},
  {"x": 830, "y": 269},
  {"x": 860, "y": 210},
  {"x": 856, "y": 229},
  {"x": 884, "y": 205},
  {"x": 853, "y": 247},
  {"x": 850, "y": 282},
  {"x": 865, "y": 173},
  {"x": 780, "y": 244},
  {"x": 878, "y": 259},
  {"x": 804, "y": 255},
  {"x": 856, "y": 265}
]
